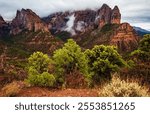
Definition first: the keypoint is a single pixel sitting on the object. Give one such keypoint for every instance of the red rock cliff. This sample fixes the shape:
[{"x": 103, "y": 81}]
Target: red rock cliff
[
  {"x": 27, "y": 20},
  {"x": 115, "y": 16},
  {"x": 125, "y": 37}
]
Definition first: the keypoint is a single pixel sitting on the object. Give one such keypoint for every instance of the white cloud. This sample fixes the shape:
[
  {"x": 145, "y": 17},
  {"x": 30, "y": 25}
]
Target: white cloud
[
  {"x": 70, "y": 24},
  {"x": 143, "y": 25},
  {"x": 45, "y": 7}
]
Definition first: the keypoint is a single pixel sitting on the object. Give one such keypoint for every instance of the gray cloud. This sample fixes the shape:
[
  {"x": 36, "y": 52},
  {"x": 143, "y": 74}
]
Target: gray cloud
[{"x": 135, "y": 12}]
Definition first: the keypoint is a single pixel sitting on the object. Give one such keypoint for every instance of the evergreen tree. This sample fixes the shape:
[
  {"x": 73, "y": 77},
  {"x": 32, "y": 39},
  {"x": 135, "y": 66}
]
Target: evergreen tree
[
  {"x": 38, "y": 70},
  {"x": 69, "y": 58},
  {"x": 102, "y": 61}
]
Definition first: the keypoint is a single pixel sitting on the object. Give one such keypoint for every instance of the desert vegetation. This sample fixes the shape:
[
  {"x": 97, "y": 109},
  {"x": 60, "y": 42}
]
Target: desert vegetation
[
  {"x": 121, "y": 88},
  {"x": 94, "y": 66},
  {"x": 73, "y": 67}
]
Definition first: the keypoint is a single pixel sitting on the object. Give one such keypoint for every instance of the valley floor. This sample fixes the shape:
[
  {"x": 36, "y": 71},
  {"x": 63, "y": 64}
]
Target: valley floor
[{"x": 44, "y": 92}]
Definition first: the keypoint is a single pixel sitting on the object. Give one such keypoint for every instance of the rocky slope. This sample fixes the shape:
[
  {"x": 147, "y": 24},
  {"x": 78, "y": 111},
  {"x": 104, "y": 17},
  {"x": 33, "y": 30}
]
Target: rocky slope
[
  {"x": 121, "y": 35},
  {"x": 27, "y": 29}
]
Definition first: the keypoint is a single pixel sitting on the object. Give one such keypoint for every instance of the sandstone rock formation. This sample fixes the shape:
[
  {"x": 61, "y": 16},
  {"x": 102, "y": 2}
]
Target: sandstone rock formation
[
  {"x": 104, "y": 14},
  {"x": 122, "y": 36},
  {"x": 108, "y": 15},
  {"x": 27, "y": 20},
  {"x": 115, "y": 16},
  {"x": 125, "y": 37}
]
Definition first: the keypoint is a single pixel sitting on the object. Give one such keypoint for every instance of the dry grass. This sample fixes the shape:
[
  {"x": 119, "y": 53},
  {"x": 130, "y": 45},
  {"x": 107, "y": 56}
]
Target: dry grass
[
  {"x": 121, "y": 88},
  {"x": 12, "y": 89}
]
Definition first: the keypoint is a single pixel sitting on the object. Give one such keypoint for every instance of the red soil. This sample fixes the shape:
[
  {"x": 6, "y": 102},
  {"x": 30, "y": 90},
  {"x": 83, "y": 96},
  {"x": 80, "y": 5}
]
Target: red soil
[{"x": 44, "y": 92}]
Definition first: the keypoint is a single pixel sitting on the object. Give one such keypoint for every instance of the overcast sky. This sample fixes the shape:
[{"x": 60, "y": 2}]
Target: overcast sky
[{"x": 136, "y": 12}]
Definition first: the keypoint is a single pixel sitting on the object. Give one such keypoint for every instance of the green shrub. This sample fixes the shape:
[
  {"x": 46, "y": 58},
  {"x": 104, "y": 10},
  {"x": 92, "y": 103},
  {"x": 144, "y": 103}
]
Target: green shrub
[
  {"x": 38, "y": 66},
  {"x": 68, "y": 58},
  {"x": 118, "y": 88},
  {"x": 140, "y": 55},
  {"x": 102, "y": 61},
  {"x": 143, "y": 51},
  {"x": 131, "y": 64},
  {"x": 39, "y": 62},
  {"x": 45, "y": 79},
  {"x": 32, "y": 76},
  {"x": 145, "y": 43}
]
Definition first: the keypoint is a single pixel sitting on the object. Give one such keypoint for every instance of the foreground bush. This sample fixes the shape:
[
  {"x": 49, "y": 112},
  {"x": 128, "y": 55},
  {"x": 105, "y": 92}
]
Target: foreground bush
[
  {"x": 102, "y": 61},
  {"x": 68, "y": 59},
  {"x": 39, "y": 62},
  {"x": 141, "y": 58},
  {"x": 118, "y": 88},
  {"x": 143, "y": 51},
  {"x": 145, "y": 43},
  {"x": 44, "y": 80},
  {"x": 38, "y": 66}
]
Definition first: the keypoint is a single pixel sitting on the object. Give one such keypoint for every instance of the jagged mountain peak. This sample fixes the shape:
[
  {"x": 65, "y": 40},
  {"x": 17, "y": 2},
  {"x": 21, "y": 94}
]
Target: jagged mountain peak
[
  {"x": 83, "y": 19},
  {"x": 26, "y": 19},
  {"x": 27, "y": 11},
  {"x": 116, "y": 8},
  {"x": 105, "y": 6},
  {"x": 115, "y": 16}
]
